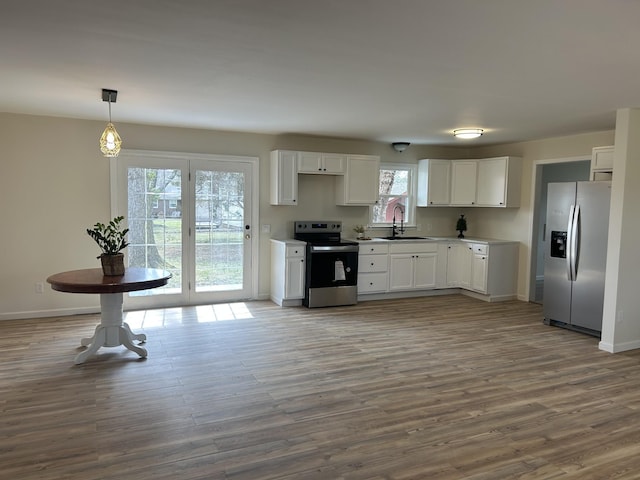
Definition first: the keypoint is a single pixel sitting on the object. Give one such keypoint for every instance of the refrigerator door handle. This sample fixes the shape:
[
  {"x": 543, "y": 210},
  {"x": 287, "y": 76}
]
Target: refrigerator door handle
[
  {"x": 575, "y": 233},
  {"x": 569, "y": 253}
]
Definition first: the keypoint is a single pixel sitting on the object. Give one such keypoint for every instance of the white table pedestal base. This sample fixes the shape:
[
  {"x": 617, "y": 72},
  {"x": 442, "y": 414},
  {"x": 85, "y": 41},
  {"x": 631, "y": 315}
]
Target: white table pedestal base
[{"x": 112, "y": 331}]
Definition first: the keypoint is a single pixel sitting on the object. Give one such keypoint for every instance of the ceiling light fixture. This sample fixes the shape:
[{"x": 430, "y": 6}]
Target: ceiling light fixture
[
  {"x": 110, "y": 141},
  {"x": 400, "y": 146},
  {"x": 467, "y": 133}
]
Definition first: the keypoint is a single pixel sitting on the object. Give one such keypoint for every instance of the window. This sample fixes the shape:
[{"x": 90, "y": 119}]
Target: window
[{"x": 396, "y": 196}]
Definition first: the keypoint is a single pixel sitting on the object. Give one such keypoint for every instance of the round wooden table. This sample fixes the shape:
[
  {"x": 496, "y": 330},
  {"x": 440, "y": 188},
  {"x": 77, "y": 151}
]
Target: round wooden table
[{"x": 112, "y": 330}]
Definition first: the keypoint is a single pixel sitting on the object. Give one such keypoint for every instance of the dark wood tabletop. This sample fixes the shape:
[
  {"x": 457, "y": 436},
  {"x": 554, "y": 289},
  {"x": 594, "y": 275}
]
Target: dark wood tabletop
[{"x": 92, "y": 280}]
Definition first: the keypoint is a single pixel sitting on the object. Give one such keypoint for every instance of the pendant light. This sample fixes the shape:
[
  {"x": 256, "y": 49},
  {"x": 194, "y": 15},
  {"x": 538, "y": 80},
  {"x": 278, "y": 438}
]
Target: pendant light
[{"x": 110, "y": 141}]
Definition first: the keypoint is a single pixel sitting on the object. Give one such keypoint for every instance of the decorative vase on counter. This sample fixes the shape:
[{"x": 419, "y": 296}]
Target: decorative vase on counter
[{"x": 461, "y": 226}]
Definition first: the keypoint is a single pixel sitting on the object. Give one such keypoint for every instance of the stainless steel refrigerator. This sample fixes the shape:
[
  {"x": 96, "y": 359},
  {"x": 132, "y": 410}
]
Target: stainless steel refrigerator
[{"x": 576, "y": 254}]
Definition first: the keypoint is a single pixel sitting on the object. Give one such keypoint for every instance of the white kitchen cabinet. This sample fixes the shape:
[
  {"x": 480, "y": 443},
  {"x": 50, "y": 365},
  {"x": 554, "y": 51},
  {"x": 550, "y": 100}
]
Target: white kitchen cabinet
[
  {"x": 373, "y": 276},
  {"x": 321, "y": 163},
  {"x": 498, "y": 182},
  {"x": 459, "y": 259},
  {"x": 602, "y": 163},
  {"x": 463, "y": 182},
  {"x": 488, "y": 269},
  {"x": 479, "y": 269},
  {"x": 287, "y": 271},
  {"x": 434, "y": 182},
  {"x": 359, "y": 185},
  {"x": 284, "y": 178},
  {"x": 412, "y": 266}
]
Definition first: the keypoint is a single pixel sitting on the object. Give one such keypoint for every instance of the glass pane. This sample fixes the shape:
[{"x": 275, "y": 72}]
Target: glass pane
[
  {"x": 383, "y": 211},
  {"x": 155, "y": 225},
  {"x": 394, "y": 182},
  {"x": 219, "y": 220}
]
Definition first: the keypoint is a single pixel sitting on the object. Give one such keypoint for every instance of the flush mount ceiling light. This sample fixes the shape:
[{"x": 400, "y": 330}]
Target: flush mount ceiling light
[
  {"x": 400, "y": 146},
  {"x": 110, "y": 141},
  {"x": 467, "y": 133}
]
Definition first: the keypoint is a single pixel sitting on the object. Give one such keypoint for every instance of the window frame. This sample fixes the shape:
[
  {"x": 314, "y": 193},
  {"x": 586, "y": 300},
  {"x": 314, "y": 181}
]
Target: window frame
[{"x": 410, "y": 197}]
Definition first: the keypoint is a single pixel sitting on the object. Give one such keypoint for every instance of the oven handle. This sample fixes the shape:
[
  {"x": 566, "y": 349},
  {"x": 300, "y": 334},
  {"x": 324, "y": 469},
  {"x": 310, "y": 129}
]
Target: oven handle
[{"x": 334, "y": 248}]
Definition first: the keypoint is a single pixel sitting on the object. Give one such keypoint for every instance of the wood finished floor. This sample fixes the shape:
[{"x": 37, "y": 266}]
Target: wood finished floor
[{"x": 430, "y": 388}]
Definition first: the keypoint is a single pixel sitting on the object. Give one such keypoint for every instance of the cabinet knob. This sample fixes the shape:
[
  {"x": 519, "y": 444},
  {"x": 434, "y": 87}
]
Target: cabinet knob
[{"x": 372, "y": 264}]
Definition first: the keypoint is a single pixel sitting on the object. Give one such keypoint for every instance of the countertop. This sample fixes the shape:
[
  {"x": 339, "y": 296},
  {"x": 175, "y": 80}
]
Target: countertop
[{"x": 488, "y": 241}]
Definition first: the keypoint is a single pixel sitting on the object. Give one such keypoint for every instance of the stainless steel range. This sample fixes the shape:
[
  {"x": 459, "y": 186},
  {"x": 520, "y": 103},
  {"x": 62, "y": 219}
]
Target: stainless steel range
[{"x": 331, "y": 276}]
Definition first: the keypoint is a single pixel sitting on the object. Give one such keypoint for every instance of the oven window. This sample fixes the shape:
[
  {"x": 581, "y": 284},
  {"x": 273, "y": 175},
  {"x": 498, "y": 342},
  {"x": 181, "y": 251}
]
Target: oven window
[{"x": 332, "y": 269}]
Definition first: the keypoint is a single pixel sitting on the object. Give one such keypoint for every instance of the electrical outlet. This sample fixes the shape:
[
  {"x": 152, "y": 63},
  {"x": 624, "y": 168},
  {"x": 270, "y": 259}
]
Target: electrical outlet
[
  {"x": 266, "y": 228},
  {"x": 39, "y": 287}
]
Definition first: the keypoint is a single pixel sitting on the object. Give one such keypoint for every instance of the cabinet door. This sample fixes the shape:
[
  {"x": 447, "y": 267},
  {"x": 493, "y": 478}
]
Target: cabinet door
[
  {"x": 359, "y": 185},
  {"x": 463, "y": 182},
  {"x": 465, "y": 253},
  {"x": 294, "y": 278},
  {"x": 333, "y": 164},
  {"x": 425, "y": 270},
  {"x": 459, "y": 265},
  {"x": 492, "y": 182},
  {"x": 401, "y": 272},
  {"x": 309, "y": 162},
  {"x": 479, "y": 272},
  {"x": 434, "y": 182},
  {"x": 284, "y": 178}
]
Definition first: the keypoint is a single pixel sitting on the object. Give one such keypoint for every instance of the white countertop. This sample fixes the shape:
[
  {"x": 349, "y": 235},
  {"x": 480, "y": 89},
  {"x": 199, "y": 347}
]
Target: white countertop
[{"x": 488, "y": 241}]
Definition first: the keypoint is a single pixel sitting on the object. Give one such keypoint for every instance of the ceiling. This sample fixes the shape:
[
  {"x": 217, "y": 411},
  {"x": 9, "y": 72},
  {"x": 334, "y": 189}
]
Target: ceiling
[{"x": 381, "y": 70}]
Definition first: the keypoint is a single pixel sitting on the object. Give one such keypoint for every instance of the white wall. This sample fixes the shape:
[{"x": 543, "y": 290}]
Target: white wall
[{"x": 55, "y": 183}]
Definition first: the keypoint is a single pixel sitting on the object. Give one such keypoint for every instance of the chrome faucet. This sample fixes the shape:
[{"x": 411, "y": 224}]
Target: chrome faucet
[{"x": 394, "y": 227}]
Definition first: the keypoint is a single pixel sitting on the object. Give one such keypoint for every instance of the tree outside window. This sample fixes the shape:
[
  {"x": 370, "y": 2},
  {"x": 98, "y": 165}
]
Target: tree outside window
[{"x": 395, "y": 193}]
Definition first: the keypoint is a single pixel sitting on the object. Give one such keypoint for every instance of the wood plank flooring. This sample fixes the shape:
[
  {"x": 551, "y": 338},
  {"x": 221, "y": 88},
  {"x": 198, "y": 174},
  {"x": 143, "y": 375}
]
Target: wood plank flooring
[{"x": 428, "y": 388}]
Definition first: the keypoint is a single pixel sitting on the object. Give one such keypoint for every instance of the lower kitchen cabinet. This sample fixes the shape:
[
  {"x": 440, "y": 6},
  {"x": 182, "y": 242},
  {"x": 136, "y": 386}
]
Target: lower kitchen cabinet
[
  {"x": 485, "y": 270},
  {"x": 287, "y": 272},
  {"x": 412, "y": 266},
  {"x": 459, "y": 256},
  {"x": 373, "y": 268},
  {"x": 479, "y": 270}
]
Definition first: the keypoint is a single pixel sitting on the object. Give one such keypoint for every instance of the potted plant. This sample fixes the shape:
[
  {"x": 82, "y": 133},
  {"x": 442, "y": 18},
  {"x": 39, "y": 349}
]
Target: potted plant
[
  {"x": 461, "y": 226},
  {"x": 359, "y": 229},
  {"x": 111, "y": 240}
]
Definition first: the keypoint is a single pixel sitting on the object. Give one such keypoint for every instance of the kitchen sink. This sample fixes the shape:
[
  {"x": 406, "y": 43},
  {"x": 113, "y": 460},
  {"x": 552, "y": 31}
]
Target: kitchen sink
[{"x": 405, "y": 238}]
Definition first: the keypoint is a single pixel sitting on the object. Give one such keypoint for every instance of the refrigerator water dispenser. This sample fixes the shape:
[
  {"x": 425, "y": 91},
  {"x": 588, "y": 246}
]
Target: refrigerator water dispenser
[{"x": 558, "y": 244}]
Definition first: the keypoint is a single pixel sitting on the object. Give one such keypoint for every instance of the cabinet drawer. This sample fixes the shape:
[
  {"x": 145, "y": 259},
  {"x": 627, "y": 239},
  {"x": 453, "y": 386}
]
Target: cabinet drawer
[
  {"x": 295, "y": 251},
  {"x": 372, "y": 263},
  {"x": 410, "y": 247},
  {"x": 373, "y": 248},
  {"x": 372, "y": 282},
  {"x": 480, "y": 248}
]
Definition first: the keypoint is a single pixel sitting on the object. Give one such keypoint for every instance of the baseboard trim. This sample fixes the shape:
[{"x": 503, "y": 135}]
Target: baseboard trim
[
  {"x": 62, "y": 312},
  {"x": 618, "y": 347}
]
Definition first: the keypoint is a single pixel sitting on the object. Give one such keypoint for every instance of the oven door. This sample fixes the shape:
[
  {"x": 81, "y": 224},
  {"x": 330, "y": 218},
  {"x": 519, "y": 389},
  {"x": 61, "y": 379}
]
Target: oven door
[
  {"x": 331, "y": 275},
  {"x": 332, "y": 266}
]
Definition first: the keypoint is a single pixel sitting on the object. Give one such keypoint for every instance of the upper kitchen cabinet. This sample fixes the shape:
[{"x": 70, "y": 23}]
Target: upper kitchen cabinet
[
  {"x": 498, "y": 182},
  {"x": 284, "y": 178},
  {"x": 602, "y": 163},
  {"x": 434, "y": 182},
  {"x": 321, "y": 163},
  {"x": 463, "y": 182},
  {"x": 359, "y": 184}
]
